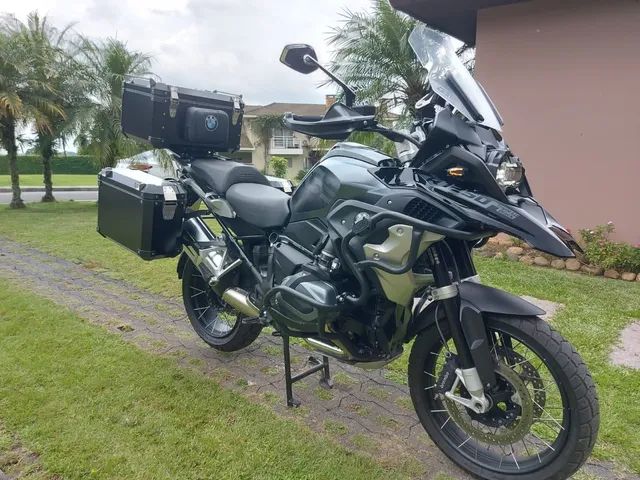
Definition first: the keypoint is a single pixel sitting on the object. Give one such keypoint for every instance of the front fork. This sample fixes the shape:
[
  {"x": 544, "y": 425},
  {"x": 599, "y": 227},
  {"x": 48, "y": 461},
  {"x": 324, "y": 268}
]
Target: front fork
[{"x": 475, "y": 366}]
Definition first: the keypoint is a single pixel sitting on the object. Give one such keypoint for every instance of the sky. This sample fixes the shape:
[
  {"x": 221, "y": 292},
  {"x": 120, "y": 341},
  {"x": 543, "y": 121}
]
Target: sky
[{"x": 228, "y": 45}]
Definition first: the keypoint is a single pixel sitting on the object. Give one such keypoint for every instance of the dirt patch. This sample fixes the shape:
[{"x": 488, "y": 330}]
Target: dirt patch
[
  {"x": 551, "y": 308},
  {"x": 627, "y": 352},
  {"x": 18, "y": 462}
]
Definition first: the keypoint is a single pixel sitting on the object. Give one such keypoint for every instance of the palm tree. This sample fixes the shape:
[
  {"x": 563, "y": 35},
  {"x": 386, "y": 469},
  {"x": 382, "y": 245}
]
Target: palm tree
[
  {"x": 107, "y": 64},
  {"x": 262, "y": 127},
  {"x": 372, "y": 53},
  {"x": 23, "y": 98},
  {"x": 55, "y": 67}
]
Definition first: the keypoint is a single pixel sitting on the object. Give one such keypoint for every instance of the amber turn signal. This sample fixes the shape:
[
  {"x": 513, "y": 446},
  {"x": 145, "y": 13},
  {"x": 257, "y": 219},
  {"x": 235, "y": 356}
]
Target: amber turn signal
[{"x": 455, "y": 171}]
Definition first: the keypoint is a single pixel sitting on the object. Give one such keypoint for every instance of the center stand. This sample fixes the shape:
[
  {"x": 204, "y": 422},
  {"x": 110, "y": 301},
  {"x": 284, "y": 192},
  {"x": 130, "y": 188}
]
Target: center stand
[{"x": 325, "y": 379}]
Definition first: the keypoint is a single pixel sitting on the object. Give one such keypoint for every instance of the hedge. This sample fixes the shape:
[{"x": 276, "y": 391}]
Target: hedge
[{"x": 72, "y": 164}]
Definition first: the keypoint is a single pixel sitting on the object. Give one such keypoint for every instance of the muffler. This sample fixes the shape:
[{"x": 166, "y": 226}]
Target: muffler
[{"x": 240, "y": 301}]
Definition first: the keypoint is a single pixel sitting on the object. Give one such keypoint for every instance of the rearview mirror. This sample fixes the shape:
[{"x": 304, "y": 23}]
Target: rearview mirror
[{"x": 296, "y": 56}]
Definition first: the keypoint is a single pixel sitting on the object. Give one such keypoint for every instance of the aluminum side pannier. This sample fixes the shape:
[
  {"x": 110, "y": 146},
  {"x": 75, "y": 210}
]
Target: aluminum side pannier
[{"x": 141, "y": 212}]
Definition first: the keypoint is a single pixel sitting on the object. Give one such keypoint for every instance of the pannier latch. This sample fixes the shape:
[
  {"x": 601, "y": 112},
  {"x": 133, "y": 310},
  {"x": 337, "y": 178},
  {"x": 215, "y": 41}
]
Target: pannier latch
[
  {"x": 170, "y": 202},
  {"x": 236, "y": 110},
  {"x": 173, "y": 103}
]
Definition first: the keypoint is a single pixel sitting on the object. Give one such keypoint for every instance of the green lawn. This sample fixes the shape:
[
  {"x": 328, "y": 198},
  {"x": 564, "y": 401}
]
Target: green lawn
[
  {"x": 58, "y": 180},
  {"x": 596, "y": 308},
  {"x": 95, "y": 407}
]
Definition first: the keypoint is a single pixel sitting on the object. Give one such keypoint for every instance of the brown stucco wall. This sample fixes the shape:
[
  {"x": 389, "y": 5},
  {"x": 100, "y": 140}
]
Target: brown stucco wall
[{"x": 565, "y": 75}]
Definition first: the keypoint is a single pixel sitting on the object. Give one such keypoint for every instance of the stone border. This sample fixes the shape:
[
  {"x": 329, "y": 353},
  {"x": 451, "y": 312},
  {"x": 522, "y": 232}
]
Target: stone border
[{"x": 503, "y": 246}]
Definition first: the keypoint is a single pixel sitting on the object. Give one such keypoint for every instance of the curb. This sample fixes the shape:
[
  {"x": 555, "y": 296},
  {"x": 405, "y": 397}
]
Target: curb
[{"x": 55, "y": 189}]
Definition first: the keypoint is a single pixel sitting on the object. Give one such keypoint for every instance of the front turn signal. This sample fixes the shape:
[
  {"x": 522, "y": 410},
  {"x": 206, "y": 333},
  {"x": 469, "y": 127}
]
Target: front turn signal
[{"x": 456, "y": 171}]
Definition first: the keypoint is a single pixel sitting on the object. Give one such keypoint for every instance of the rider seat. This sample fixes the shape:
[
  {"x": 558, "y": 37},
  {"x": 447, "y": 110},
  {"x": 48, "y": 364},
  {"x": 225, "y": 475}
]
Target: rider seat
[
  {"x": 248, "y": 191},
  {"x": 218, "y": 175},
  {"x": 261, "y": 205}
]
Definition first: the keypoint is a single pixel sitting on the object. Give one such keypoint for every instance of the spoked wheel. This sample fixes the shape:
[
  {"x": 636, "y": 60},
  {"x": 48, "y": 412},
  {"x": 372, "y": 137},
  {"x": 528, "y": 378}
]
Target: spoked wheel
[
  {"x": 213, "y": 320},
  {"x": 543, "y": 420}
]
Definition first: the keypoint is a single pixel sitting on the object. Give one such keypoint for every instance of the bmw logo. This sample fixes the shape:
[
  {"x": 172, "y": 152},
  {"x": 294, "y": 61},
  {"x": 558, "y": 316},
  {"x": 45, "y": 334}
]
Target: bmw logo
[{"x": 211, "y": 122}]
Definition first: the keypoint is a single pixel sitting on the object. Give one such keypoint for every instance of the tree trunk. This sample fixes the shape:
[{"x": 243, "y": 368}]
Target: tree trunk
[
  {"x": 9, "y": 135},
  {"x": 46, "y": 146}
]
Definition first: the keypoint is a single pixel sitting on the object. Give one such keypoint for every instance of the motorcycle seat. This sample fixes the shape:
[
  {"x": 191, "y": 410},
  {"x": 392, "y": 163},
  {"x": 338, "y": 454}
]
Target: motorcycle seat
[
  {"x": 261, "y": 205},
  {"x": 218, "y": 175}
]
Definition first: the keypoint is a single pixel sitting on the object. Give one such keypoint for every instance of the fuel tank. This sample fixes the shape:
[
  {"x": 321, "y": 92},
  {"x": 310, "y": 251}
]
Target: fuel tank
[{"x": 345, "y": 173}]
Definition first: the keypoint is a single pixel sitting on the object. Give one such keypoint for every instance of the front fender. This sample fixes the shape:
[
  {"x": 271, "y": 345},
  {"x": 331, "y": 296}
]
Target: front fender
[
  {"x": 181, "y": 263},
  {"x": 484, "y": 299}
]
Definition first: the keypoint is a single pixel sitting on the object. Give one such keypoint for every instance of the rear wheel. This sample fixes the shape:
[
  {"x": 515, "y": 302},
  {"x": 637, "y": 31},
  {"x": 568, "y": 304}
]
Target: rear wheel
[
  {"x": 214, "y": 321},
  {"x": 543, "y": 420}
]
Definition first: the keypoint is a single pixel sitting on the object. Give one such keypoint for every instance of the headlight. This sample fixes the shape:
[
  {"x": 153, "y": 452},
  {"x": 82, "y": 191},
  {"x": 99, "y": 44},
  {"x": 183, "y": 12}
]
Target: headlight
[{"x": 509, "y": 173}]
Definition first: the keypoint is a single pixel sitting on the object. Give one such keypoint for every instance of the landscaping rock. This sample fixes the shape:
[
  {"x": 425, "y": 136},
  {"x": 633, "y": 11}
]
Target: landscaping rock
[
  {"x": 611, "y": 273},
  {"x": 592, "y": 270},
  {"x": 558, "y": 264},
  {"x": 499, "y": 256},
  {"x": 526, "y": 260},
  {"x": 517, "y": 251},
  {"x": 541, "y": 261},
  {"x": 572, "y": 264},
  {"x": 629, "y": 277},
  {"x": 503, "y": 239}
]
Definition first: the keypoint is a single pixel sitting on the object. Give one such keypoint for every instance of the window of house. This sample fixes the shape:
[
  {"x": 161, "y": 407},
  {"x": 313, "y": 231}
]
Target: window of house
[{"x": 284, "y": 138}]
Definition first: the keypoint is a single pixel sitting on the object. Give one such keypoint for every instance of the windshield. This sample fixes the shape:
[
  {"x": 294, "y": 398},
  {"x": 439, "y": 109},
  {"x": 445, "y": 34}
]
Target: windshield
[{"x": 450, "y": 79}]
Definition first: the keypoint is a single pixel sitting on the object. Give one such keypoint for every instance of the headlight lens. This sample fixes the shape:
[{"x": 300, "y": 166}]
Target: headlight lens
[{"x": 509, "y": 173}]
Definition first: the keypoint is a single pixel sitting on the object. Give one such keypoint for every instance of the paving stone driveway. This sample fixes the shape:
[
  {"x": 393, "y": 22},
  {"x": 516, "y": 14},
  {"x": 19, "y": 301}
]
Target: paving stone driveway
[{"x": 364, "y": 411}]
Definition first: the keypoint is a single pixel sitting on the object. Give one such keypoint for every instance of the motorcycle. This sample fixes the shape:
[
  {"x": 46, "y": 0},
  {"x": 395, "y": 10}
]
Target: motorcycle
[{"x": 373, "y": 253}]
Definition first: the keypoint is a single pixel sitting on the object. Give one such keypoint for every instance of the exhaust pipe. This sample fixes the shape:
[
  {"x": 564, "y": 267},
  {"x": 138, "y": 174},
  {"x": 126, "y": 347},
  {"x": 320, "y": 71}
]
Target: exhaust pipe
[
  {"x": 326, "y": 348},
  {"x": 241, "y": 302}
]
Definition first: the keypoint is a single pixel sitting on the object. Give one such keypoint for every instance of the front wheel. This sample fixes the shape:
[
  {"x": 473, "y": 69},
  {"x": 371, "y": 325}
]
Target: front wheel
[
  {"x": 213, "y": 320},
  {"x": 544, "y": 417}
]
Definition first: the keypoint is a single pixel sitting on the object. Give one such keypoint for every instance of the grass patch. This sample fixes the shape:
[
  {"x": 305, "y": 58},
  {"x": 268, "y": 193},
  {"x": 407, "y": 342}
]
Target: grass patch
[
  {"x": 59, "y": 180},
  {"x": 95, "y": 407},
  {"x": 596, "y": 309},
  {"x": 68, "y": 229}
]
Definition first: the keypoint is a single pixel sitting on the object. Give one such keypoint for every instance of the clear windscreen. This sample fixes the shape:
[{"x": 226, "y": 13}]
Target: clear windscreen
[{"x": 450, "y": 79}]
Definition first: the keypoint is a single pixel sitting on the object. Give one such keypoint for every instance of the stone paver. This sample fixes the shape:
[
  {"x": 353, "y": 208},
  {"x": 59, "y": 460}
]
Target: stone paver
[
  {"x": 364, "y": 411},
  {"x": 627, "y": 352}
]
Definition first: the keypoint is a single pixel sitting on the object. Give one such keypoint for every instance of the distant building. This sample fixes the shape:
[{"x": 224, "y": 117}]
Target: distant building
[
  {"x": 301, "y": 151},
  {"x": 564, "y": 74}
]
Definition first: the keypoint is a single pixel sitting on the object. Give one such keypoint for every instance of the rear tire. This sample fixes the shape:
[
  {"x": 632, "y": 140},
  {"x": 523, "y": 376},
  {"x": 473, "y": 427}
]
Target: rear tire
[
  {"x": 577, "y": 417},
  {"x": 215, "y": 322}
]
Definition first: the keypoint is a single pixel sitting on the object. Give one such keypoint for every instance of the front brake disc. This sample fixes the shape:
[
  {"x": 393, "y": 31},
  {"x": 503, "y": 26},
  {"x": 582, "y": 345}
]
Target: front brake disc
[
  {"x": 530, "y": 376},
  {"x": 505, "y": 435}
]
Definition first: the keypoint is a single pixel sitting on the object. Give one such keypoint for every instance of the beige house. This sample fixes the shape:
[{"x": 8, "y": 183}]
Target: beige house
[
  {"x": 300, "y": 150},
  {"x": 564, "y": 74}
]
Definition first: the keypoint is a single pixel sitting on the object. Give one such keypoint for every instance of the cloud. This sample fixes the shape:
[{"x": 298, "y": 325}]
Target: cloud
[{"x": 229, "y": 45}]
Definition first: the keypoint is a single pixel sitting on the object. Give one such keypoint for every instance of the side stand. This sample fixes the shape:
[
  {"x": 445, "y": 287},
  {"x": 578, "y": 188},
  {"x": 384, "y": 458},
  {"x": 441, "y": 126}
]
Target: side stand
[{"x": 325, "y": 380}]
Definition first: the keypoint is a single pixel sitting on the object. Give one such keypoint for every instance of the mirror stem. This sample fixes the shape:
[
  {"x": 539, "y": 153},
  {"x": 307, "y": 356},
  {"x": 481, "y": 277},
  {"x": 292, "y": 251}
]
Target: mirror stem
[{"x": 349, "y": 93}]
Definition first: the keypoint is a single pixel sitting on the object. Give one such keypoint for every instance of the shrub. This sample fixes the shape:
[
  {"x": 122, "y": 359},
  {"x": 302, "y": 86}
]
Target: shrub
[
  {"x": 601, "y": 251},
  {"x": 301, "y": 173},
  {"x": 72, "y": 164},
  {"x": 279, "y": 166}
]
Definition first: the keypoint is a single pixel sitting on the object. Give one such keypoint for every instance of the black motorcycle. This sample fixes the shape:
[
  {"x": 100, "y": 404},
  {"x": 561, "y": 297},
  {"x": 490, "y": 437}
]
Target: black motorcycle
[{"x": 371, "y": 253}]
